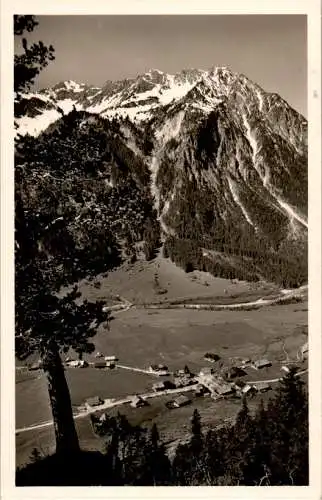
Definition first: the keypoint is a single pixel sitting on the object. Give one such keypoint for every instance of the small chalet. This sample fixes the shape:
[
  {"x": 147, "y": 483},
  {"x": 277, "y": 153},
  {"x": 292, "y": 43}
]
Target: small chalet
[
  {"x": 263, "y": 386},
  {"x": 248, "y": 390},
  {"x": 234, "y": 372},
  {"x": 184, "y": 381},
  {"x": 100, "y": 364},
  {"x": 36, "y": 366},
  {"x": 94, "y": 401},
  {"x": 209, "y": 356},
  {"x": 159, "y": 369},
  {"x": 159, "y": 386},
  {"x": 205, "y": 372},
  {"x": 261, "y": 363},
  {"x": 245, "y": 361},
  {"x": 181, "y": 401},
  {"x": 224, "y": 389},
  {"x": 74, "y": 363},
  {"x": 138, "y": 402},
  {"x": 304, "y": 350},
  {"x": 111, "y": 358},
  {"x": 201, "y": 390},
  {"x": 162, "y": 386}
]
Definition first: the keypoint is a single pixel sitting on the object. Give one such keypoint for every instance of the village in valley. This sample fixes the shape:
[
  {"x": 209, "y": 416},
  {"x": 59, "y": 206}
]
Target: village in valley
[
  {"x": 220, "y": 379},
  {"x": 157, "y": 362}
]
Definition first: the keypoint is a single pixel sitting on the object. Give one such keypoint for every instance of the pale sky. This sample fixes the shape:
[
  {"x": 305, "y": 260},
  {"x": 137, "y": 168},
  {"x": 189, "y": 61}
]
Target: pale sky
[{"x": 269, "y": 49}]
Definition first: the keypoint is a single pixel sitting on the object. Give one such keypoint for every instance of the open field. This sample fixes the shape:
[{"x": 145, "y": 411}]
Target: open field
[{"x": 137, "y": 284}]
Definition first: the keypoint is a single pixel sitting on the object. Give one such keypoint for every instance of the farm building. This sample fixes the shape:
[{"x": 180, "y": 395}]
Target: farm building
[
  {"x": 184, "y": 381},
  {"x": 159, "y": 386},
  {"x": 261, "y": 363},
  {"x": 77, "y": 363},
  {"x": 304, "y": 350},
  {"x": 201, "y": 390},
  {"x": 285, "y": 369},
  {"x": 183, "y": 372},
  {"x": 223, "y": 389},
  {"x": 162, "y": 386},
  {"x": 138, "y": 402},
  {"x": 245, "y": 361},
  {"x": 74, "y": 363},
  {"x": 100, "y": 364},
  {"x": 205, "y": 372},
  {"x": 209, "y": 356},
  {"x": 234, "y": 372},
  {"x": 111, "y": 358},
  {"x": 238, "y": 385},
  {"x": 94, "y": 401},
  {"x": 263, "y": 386},
  {"x": 98, "y": 355},
  {"x": 216, "y": 384},
  {"x": 181, "y": 401},
  {"x": 159, "y": 369},
  {"x": 110, "y": 364},
  {"x": 35, "y": 366},
  {"x": 248, "y": 390}
]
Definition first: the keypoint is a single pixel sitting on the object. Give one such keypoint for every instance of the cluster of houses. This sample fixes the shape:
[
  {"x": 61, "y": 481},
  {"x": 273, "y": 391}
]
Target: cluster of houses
[
  {"x": 244, "y": 363},
  {"x": 218, "y": 386},
  {"x": 101, "y": 362}
]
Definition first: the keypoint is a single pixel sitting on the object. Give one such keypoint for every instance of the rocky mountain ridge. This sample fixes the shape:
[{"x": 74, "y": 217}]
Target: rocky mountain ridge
[{"x": 226, "y": 162}]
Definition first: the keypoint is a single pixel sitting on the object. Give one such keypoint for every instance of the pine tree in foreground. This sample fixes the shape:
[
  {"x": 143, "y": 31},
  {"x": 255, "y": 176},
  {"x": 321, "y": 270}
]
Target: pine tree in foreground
[{"x": 49, "y": 256}]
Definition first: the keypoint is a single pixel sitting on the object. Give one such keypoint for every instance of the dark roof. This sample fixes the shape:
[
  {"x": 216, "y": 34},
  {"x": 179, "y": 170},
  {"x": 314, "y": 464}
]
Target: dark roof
[
  {"x": 99, "y": 364},
  {"x": 263, "y": 385},
  {"x": 210, "y": 355},
  {"x": 181, "y": 400},
  {"x": 262, "y": 362},
  {"x": 94, "y": 401}
]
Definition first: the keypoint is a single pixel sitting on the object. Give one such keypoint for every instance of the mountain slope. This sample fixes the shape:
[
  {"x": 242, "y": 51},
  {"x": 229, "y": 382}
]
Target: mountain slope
[{"x": 224, "y": 161}]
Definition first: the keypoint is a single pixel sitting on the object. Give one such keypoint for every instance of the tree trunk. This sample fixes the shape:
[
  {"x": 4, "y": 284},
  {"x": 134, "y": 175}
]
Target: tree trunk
[{"x": 65, "y": 431}]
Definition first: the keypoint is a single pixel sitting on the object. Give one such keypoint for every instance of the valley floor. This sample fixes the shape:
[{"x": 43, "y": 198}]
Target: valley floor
[{"x": 140, "y": 337}]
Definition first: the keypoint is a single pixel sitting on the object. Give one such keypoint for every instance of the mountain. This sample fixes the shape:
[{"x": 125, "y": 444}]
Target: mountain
[{"x": 224, "y": 161}]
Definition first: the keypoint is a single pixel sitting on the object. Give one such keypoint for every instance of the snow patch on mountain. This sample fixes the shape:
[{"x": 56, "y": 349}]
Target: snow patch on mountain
[
  {"x": 74, "y": 86},
  {"x": 175, "y": 90},
  {"x": 34, "y": 126},
  {"x": 291, "y": 212},
  {"x": 265, "y": 178},
  {"x": 32, "y": 95},
  {"x": 170, "y": 129},
  {"x": 260, "y": 100},
  {"x": 234, "y": 193},
  {"x": 67, "y": 105}
]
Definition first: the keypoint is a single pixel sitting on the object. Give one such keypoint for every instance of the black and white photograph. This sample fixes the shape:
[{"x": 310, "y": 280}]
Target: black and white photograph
[{"x": 161, "y": 256}]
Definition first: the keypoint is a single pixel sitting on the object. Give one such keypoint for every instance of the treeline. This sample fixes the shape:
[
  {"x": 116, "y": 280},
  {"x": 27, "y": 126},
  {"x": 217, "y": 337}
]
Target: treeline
[
  {"x": 266, "y": 447},
  {"x": 286, "y": 266}
]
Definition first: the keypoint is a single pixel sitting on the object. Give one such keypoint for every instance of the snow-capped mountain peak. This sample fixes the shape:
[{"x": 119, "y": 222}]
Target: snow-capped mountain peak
[
  {"x": 141, "y": 98},
  {"x": 224, "y": 159}
]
